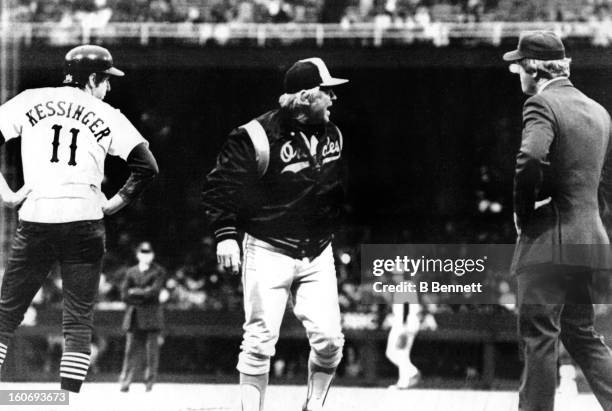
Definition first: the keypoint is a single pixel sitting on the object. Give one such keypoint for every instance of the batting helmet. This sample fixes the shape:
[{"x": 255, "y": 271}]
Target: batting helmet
[{"x": 81, "y": 61}]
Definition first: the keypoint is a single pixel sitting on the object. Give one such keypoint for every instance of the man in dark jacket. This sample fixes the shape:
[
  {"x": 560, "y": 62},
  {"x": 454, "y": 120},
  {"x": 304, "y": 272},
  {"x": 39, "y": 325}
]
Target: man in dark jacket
[
  {"x": 143, "y": 319},
  {"x": 562, "y": 189},
  {"x": 279, "y": 179}
]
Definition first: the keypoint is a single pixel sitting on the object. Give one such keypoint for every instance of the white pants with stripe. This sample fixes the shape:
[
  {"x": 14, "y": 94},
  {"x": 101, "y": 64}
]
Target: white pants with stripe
[
  {"x": 400, "y": 341},
  {"x": 267, "y": 278}
]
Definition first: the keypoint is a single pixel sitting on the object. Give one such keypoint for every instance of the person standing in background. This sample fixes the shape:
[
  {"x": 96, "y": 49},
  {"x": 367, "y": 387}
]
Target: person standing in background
[
  {"x": 406, "y": 321},
  {"x": 144, "y": 318}
]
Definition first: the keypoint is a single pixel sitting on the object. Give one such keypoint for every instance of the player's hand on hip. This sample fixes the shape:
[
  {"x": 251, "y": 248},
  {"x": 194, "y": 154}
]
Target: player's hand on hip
[
  {"x": 113, "y": 204},
  {"x": 228, "y": 255},
  {"x": 14, "y": 199},
  {"x": 103, "y": 199}
]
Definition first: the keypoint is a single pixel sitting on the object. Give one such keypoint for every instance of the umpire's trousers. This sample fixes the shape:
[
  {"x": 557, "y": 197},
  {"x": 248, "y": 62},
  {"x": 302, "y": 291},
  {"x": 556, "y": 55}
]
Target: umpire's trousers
[
  {"x": 78, "y": 248},
  {"x": 557, "y": 303}
]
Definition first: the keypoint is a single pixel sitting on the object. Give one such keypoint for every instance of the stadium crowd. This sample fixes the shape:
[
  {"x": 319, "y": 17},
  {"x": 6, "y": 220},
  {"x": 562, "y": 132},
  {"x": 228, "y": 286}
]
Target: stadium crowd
[{"x": 384, "y": 12}]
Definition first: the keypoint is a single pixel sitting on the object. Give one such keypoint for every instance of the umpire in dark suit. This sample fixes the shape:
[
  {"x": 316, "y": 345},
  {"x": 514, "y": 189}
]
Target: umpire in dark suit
[
  {"x": 143, "y": 319},
  {"x": 562, "y": 189}
]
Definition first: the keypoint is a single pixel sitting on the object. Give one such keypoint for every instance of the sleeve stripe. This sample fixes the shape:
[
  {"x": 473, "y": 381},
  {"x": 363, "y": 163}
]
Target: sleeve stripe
[
  {"x": 340, "y": 137},
  {"x": 259, "y": 138},
  {"x": 226, "y": 230}
]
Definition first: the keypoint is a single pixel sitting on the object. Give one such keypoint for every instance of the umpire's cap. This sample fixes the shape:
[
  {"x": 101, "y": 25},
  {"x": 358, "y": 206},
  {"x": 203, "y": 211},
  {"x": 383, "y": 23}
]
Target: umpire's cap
[
  {"x": 309, "y": 73},
  {"x": 87, "y": 59},
  {"x": 537, "y": 45}
]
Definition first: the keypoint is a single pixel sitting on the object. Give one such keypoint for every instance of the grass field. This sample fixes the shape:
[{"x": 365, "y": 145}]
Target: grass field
[{"x": 222, "y": 397}]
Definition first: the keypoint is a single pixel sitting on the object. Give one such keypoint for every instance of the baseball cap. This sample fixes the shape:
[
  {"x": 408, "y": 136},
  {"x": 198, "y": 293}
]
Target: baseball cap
[
  {"x": 537, "y": 45},
  {"x": 309, "y": 73}
]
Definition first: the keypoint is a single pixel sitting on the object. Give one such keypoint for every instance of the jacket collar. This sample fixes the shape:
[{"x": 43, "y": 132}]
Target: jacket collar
[
  {"x": 291, "y": 123},
  {"x": 554, "y": 83}
]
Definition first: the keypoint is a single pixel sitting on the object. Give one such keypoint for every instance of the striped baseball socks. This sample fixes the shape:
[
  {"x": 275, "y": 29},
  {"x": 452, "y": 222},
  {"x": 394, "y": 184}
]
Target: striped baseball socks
[
  {"x": 3, "y": 349},
  {"x": 73, "y": 369}
]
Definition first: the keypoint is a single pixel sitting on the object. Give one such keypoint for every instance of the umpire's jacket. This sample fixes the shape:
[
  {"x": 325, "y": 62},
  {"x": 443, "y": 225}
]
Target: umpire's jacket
[
  {"x": 144, "y": 312},
  {"x": 564, "y": 155},
  {"x": 292, "y": 199}
]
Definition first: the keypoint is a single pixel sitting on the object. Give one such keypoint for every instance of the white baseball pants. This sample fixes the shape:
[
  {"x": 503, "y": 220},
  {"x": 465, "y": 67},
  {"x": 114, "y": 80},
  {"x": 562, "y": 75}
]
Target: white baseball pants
[{"x": 267, "y": 277}]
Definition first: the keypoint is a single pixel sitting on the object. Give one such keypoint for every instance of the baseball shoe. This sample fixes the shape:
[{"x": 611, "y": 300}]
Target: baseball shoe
[
  {"x": 316, "y": 408},
  {"x": 412, "y": 382},
  {"x": 124, "y": 388}
]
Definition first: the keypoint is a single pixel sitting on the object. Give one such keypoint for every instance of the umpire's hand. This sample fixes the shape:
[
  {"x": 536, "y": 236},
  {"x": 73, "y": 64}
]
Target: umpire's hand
[{"x": 228, "y": 255}]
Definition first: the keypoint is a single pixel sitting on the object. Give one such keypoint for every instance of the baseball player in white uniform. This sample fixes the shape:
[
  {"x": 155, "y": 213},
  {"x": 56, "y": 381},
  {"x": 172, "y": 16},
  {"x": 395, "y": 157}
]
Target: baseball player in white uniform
[
  {"x": 278, "y": 179},
  {"x": 405, "y": 324},
  {"x": 66, "y": 133}
]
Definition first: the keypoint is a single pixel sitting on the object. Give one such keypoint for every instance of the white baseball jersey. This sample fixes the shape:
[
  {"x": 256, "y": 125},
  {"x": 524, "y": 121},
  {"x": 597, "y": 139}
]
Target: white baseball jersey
[{"x": 66, "y": 134}]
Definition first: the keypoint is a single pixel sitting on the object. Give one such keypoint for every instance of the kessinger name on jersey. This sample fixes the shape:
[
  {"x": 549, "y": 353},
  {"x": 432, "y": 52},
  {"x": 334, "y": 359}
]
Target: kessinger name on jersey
[{"x": 69, "y": 110}]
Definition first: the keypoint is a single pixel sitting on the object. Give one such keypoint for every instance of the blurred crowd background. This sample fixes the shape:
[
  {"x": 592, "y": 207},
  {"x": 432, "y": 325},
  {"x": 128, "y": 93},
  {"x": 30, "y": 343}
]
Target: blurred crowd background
[{"x": 398, "y": 12}]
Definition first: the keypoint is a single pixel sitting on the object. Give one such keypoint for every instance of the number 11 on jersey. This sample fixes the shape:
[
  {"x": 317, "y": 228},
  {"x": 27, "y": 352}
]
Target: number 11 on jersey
[{"x": 73, "y": 145}]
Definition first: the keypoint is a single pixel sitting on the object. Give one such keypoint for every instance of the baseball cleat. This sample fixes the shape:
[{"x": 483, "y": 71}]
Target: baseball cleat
[{"x": 412, "y": 382}]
